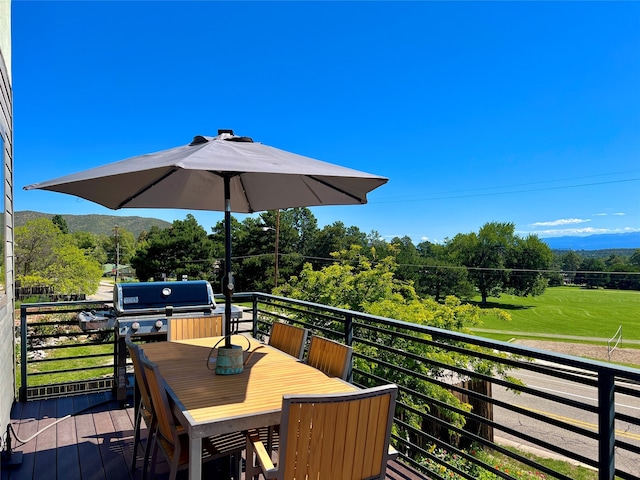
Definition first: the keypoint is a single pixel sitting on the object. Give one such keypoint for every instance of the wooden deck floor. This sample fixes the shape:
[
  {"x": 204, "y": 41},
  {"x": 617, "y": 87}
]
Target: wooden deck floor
[{"x": 92, "y": 439}]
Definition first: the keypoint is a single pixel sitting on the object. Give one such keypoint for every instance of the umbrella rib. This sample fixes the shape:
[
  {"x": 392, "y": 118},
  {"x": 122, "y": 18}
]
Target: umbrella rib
[
  {"x": 344, "y": 192},
  {"x": 148, "y": 187}
]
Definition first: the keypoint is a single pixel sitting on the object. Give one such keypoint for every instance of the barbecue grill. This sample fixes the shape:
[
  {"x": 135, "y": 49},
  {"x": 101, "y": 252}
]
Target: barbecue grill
[{"x": 140, "y": 310}]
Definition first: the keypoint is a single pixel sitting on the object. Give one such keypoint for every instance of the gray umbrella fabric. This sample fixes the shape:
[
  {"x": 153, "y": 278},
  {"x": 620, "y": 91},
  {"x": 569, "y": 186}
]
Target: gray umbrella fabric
[
  {"x": 224, "y": 173},
  {"x": 192, "y": 177}
]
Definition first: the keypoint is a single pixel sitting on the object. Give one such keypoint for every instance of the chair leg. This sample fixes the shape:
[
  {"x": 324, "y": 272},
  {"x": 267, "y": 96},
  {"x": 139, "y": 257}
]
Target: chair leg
[
  {"x": 136, "y": 437},
  {"x": 154, "y": 454},
  {"x": 148, "y": 445},
  {"x": 250, "y": 470}
]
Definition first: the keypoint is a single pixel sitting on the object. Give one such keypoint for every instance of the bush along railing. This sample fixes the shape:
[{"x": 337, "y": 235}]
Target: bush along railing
[
  {"x": 57, "y": 357},
  {"x": 465, "y": 401}
]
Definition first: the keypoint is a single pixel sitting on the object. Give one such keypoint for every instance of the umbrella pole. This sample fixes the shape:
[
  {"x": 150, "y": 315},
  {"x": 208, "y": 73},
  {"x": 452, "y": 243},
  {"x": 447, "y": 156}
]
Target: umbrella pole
[{"x": 228, "y": 279}]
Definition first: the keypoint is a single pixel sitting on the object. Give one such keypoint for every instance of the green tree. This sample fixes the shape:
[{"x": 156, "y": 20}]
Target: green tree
[
  {"x": 635, "y": 258},
  {"x": 36, "y": 244},
  {"x": 408, "y": 259},
  {"x": 528, "y": 258},
  {"x": 441, "y": 279},
  {"x": 498, "y": 260},
  {"x": 354, "y": 282},
  {"x": 306, "y": 225},
  {"x": 92, "y": 244},
  {"x": 440, "y": 276},
  {"x": 47, "y": 257},
  {"x": 121, "y": 244},
  {"x": 570, "y": 262},
  {"x": 182, "y": 249},
  {"x": 334, "y": 238},
  {"x": 61, "y": 223},
  {"x": 592, "y": 273}
]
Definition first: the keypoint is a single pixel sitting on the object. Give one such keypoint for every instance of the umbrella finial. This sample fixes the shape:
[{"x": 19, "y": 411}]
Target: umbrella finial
[{"x": 198, "y": 140}]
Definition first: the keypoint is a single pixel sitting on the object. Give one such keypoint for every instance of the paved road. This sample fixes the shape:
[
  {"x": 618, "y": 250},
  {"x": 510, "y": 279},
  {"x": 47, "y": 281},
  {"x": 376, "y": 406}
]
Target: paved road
[
  {"x": 105, "y": 292},
  {"x": 577, "y": 443}
]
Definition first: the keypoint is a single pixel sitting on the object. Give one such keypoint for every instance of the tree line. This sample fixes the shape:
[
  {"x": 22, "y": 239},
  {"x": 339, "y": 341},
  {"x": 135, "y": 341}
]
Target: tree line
[{"x": 488, "y": 262}]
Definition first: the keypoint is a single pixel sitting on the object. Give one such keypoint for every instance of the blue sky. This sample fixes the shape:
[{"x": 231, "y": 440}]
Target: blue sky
[{"x": 524, "y": 112}]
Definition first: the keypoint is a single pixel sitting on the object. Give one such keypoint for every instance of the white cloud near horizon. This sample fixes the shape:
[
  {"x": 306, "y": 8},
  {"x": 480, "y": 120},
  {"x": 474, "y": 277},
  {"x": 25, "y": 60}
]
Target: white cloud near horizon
[
  {"x": 617, "y": 214},
  {"x": 567, "y": 232},
  {"x": 561, "y": 221}
]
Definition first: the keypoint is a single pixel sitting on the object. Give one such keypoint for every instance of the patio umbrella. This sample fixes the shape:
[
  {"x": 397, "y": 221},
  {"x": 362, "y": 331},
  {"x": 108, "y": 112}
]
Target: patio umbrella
[{"x": 227, "y": 173}]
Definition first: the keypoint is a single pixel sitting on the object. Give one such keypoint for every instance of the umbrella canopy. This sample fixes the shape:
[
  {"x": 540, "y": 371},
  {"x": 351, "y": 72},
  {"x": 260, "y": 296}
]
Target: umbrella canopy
[
  {"x": 225, "y": 173},
  {"x": 192, "y": 177}
]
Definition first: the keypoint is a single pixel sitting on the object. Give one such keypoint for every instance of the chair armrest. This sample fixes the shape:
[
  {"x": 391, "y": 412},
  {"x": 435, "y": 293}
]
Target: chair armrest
[{"x": 264, "y": 458}]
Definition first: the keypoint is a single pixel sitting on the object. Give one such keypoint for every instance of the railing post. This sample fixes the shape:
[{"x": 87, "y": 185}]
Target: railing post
[
  {"x": 255, "y": 316},
  {"x": 23, "y": 354},
  {"x": 348, "y": 330},
  {"x": 606, "y": 426}
]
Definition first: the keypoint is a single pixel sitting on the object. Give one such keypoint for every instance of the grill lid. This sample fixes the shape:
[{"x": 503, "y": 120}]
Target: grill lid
[{"x": 163, "y": 297}]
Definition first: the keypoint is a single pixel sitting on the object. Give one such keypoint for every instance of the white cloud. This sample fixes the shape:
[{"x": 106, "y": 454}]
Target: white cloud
[
  {"x": 562, "y": 221},
  {"x": 619, "y": 214},
  {"x": 561, "y": 232}
]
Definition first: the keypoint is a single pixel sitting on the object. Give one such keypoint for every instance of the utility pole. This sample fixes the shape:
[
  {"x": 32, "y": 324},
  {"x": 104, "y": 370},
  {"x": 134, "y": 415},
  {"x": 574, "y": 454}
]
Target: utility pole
[
  {"x": 117, "y": 252},
  {"x": 277, "y": 241},
  {"x": 277, "y": 259}
]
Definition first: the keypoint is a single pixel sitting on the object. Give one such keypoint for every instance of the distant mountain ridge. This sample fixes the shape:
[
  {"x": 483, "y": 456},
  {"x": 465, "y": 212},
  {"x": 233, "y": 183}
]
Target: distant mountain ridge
[
  {"x": 98, "y": 224},
  {"x": 605, "y": 241}
]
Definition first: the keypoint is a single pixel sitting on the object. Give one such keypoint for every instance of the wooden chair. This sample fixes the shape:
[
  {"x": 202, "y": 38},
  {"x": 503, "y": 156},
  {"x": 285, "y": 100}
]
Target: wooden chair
[
  {"x": 172, "y": 439},
  {"x": 288, "y": 338},
  {"x": 143, "y": 408},
  {"x": 344, "y": 435},
  {"x": 330, "y": 357},
  {"x": 197, "y": 327}
]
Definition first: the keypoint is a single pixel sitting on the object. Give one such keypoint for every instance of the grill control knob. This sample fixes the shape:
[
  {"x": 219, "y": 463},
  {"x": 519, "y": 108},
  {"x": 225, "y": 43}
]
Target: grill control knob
[
  {"x": 135, "y": 326},
  {"x": 159, "y": 324}
]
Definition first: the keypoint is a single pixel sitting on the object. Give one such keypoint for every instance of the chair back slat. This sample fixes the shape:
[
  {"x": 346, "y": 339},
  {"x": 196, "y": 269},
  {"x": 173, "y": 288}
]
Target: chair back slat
[
  {"x": 139, "y": 373},
  {"x": 288, "y": 338},
  {"x": 330, "y": 357},
  {"x": 342, "y": 436},
  {"x": 197, "y": 327},
  {"x": 160, "y": 401}
]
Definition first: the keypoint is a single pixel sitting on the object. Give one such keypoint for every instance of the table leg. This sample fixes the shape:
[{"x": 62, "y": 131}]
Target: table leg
[{"x": 195, "y": 458}]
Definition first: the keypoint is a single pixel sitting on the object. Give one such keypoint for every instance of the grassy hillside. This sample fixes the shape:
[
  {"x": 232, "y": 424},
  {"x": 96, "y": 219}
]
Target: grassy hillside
[
  {"x": 100, "y": 224},
  {"x": 571, "y": 311}
]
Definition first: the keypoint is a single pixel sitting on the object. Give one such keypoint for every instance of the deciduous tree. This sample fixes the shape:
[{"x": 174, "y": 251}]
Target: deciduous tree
[
  {"x": 47, "y": 257},
  {"x": 498, "y": 260}
]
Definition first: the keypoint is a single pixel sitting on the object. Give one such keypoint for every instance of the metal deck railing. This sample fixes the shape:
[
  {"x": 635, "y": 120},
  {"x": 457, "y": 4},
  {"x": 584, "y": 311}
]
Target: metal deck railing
[{"x": 463, "y": 399}]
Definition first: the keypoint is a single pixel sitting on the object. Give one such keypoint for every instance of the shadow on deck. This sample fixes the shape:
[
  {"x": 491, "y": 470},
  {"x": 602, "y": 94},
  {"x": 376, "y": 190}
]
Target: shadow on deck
[{"x": 93, "y": 439}]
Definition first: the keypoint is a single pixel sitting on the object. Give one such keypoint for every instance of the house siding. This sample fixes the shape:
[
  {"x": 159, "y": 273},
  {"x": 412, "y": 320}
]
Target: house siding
[{"x": 7, "y": 337}]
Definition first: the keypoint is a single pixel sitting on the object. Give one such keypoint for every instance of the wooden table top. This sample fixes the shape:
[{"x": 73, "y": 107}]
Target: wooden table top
[{"x": 212, "y": 404}]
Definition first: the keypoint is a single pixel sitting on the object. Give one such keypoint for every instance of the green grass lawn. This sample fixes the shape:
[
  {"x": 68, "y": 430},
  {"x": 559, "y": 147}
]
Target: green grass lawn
[
  {"x": 80, "y": 351},
  {"x": 570, "y": 311}
]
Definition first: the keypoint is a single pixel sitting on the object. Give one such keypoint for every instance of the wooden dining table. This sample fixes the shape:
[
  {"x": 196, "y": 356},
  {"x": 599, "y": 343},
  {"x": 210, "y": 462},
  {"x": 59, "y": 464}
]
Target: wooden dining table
[{"x": 207, "y": 404}]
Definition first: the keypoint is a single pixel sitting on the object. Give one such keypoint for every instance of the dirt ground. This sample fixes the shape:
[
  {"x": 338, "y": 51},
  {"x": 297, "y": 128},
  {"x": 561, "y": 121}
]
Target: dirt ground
[{"x": 627, "y": 356}]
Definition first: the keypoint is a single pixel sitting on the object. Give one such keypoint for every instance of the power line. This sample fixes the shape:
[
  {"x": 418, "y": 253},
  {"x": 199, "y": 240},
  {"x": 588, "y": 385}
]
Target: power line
[
  {"x": 470, "y": 195},
  {"x": 453, "y": 267}
]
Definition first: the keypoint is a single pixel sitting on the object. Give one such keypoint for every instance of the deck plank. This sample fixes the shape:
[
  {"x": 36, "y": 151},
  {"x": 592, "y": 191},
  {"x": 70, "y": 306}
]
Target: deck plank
[
  {"x": 26, "y": 426},
  {"x": 95, "y": 443},
  {"x": 110, "y": 444},
  {"x": 88, "y": 448},
  {"x": 68, "y": 465},
  {"x": 45, "y": 442}
]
